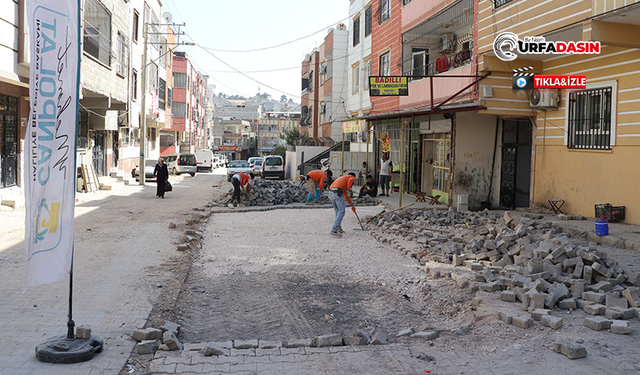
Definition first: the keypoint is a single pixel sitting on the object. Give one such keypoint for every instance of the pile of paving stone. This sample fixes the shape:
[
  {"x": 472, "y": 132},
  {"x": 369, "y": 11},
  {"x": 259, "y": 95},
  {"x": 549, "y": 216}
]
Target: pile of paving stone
[
  {"x": 270, "y": 193},
  {"x": 151, "y": 340},
  {"x": 528, "y": 261}
]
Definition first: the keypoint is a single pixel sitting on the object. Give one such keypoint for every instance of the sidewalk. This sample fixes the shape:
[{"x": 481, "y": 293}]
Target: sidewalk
[{"x": 122, "y": 245}]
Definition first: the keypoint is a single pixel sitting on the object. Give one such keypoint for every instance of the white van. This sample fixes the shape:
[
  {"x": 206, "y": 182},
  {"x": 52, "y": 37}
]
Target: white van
[
  {"x": 273, "y": 166},
  {"x": 205, "y": 160}
]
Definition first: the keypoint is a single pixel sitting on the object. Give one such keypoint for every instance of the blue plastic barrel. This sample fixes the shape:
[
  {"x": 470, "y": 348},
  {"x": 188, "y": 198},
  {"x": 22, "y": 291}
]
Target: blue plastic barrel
[{"x": 602, "y": 227}]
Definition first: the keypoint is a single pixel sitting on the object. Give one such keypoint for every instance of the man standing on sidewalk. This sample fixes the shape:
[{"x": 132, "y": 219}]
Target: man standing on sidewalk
[
  {"x": 238, "y": 181},
  {"x": 385, "y": 173},
  {"x": 315, "y": 183},
  {"x": 339, "y": 195}
]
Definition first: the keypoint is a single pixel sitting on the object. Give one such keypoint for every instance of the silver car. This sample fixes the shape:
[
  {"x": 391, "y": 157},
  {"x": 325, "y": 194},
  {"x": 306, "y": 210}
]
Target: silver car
[
  {"x": 182, "y": 163},
  {"x": 257, "y": 167},
  {"x": 238, "y": 166},
  {"x": 149, "y": 169}
]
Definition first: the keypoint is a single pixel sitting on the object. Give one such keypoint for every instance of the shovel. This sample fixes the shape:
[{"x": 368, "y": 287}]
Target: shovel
[{"x": 359, "y": 222}]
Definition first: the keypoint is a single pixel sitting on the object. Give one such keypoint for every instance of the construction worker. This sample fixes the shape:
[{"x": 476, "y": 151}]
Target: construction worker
[
  {"x": 316, "y": 182},
  {"x": 240, "y": 180},
  {"x": 338, "y": 195}
]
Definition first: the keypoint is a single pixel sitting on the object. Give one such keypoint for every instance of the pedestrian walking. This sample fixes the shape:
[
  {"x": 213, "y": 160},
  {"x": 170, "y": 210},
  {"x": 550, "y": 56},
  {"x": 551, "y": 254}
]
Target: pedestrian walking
[
  {"x": 161, "y": 173},
  {"x": 240, "y": 180},
  {"x": 385, "y": 174},
  {"x": 339, "y": 196}
]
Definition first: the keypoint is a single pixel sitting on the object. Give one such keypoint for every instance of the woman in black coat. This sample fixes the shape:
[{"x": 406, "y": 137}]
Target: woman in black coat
[{"x": 161, "y": 173}]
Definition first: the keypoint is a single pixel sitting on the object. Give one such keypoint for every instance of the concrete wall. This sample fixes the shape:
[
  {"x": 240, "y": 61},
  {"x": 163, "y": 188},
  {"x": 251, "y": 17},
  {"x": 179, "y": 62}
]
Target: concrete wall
[
  {"x": 473, "y": 158},
  {"x": 352, "y": 162}
]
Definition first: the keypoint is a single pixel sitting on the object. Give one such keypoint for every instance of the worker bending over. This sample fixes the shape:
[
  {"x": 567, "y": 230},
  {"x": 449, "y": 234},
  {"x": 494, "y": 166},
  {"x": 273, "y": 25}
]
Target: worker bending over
[
  {"x": 315, "y": 183},
  {"x": 339, "y": 195},
  {"x": 240, "y": 180}
]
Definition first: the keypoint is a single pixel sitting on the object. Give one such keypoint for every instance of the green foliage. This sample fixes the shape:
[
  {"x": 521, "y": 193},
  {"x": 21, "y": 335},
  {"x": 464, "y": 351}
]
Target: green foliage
[
  {"x": 280, "y": 150},
  {"x": 295, "y": 138}
]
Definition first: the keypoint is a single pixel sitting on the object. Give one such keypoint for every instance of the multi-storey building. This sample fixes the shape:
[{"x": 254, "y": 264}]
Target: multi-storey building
[
  {"x": 576, "y": 145},
  {"x": 333, "y": 84},
  {"x": 237, "y": 140},
  {"x": 168, "y": 135},
  {"x": 145, "y": 16},
  {"x": 272, "y": 128},
  {"x": 358, "y": 71},
  {"x": 14, "y": 92},
  {"x": 310, "y": 99},
  {"x": 188, "y": 97}
]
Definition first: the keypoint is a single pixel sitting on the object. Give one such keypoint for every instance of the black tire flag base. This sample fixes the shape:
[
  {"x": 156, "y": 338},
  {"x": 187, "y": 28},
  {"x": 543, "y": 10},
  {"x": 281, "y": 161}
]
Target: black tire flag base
[{"x": 61, "y": 349}]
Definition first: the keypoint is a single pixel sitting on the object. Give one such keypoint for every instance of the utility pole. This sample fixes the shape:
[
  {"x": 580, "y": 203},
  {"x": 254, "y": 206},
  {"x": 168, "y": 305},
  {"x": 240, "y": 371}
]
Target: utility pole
[{"x": 143, "y": 113}]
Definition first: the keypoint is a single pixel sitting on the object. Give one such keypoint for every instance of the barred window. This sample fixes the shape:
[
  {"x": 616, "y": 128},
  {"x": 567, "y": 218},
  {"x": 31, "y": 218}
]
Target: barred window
[
  {"x": 122, "y": 63},
  {"x": 162, "y": 88},
  {"x": 83, "y": 131},
  {"x": 498, "y": 3},
  {"x": 97, "y": 31},
  {"x": 180, "y": 80},
  {"x": 590, "y": 118},
  {"x": 179, "y": 109}
]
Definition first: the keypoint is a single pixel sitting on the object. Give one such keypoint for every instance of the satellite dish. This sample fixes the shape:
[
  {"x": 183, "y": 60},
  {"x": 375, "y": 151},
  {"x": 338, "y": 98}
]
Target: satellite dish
[{"x": 167, "y": 17}]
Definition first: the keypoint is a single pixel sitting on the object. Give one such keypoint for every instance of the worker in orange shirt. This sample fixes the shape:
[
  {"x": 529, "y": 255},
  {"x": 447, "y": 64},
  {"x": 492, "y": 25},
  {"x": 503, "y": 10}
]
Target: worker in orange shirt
[
  {"x": 240, "y": 180},
  {"x": 338, "y": 195},
  {"x": 315, "y": 183}
]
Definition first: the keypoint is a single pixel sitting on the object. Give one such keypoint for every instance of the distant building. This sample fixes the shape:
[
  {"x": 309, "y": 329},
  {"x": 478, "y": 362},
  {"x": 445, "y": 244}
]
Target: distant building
[
  {"x": 188, "y": 98},
  {"x": 272, "y": 128}
]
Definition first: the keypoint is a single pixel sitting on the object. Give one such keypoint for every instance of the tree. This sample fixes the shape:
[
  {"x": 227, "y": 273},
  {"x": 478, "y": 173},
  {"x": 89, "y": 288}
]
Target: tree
[
  {"x": 283, "y": 99},
  {"x": 294, "y": 138},
  {"x": 280, "y": 150}
]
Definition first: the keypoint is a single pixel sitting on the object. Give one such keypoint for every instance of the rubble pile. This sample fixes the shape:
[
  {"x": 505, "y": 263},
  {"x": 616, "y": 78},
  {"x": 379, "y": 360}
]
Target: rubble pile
[{"x": 527, "y": 261}]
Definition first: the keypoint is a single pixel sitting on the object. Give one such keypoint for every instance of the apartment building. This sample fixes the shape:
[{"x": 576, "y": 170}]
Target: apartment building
[
  {"x": 14, "y": 94},
  {"x": 145, "y": 15},
  {"x": 333, "y": 84},
  {"x": 237, "y": 139},
  {"x": 272, "y": 128},
  {"x": 310, "y": 99},
  {"x": 576, "y": 145},
  {"x": 168, "y": 135},
  {"x": 358, "y": 102},
  {"x": 187, "y": 109}
]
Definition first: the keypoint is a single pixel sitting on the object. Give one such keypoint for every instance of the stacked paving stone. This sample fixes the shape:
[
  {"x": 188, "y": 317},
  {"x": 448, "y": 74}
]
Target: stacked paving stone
[
  {"x": 270, "y": 193},
  {"x": 152, "y": 339},
  {"x": 527, "y": 261}
]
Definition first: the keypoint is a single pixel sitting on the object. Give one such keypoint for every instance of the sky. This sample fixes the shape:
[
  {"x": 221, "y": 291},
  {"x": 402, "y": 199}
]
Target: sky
[{"x": 255, "y": 24}]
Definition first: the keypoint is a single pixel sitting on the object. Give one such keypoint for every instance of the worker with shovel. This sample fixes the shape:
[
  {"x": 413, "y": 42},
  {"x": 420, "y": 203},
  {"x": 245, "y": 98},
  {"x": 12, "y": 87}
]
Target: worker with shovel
[
  {"x": 338, "y": 195},
  {"x": 240, "y": 180}
]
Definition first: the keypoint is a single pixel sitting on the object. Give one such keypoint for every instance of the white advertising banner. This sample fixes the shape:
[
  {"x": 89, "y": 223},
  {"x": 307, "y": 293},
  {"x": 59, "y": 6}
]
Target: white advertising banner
[{"x": 50, "y": 141}]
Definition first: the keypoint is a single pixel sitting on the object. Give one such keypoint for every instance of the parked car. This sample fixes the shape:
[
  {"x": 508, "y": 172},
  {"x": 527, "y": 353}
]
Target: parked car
[
  {"x": 238, "y": 166},
  {"x": 252, "y": 160},
  {"x": 257, "y": 167},
  {"x": 204, "y": 159},
  {"x": 149, "y": 168},
  {"x": 273, "y": 166},
  {"x": 182, "y": 163}
]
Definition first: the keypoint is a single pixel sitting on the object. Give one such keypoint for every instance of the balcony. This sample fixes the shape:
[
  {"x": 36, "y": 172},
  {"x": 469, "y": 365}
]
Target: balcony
[{"x": 443, "y": 88}]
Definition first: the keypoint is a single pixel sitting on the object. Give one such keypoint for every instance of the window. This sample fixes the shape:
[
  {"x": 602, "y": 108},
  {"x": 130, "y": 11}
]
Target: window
[
  {"x": 366, "y": 74},
  {"x": 356, "y": 31},
  {"x": 180, "y": 80},
  {"x": 405, "y": 2},
  {"x": 498, "y": 3},
  {"x": 153, "y": 135},
  {"x": 367, "y": 21},
  {"x": 134, "y": 85},
  {"x": 179, "y": 109},
  {"x": 589, "y": 119},
  {"x": 162, "y": 88},
  {"x": 385, "y": 67},
  {"x": 419, "y": 61},
  {"x": 97, "y": 31},
  {"x": 162, "y": 48},
  {"x": 83, "y": 131},
  {"x": 122, "y": 63},
  {"x": 169, "y": 97},
  {"x": 153, "y": 79},
  {"x": 384, "y": 9},
  {"x": 355, "y": 79},
  {"x": 136, "y": 21}
]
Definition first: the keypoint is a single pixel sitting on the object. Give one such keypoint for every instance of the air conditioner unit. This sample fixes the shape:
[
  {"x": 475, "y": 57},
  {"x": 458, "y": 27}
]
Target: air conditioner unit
[
  {"x": 447, "y": 43},
  {"x": 544, "y": 99}
]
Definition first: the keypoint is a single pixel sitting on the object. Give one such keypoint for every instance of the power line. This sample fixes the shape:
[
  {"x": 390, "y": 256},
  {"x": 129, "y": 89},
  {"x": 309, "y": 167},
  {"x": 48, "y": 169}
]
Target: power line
[{"x": 274, "y": 46}]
